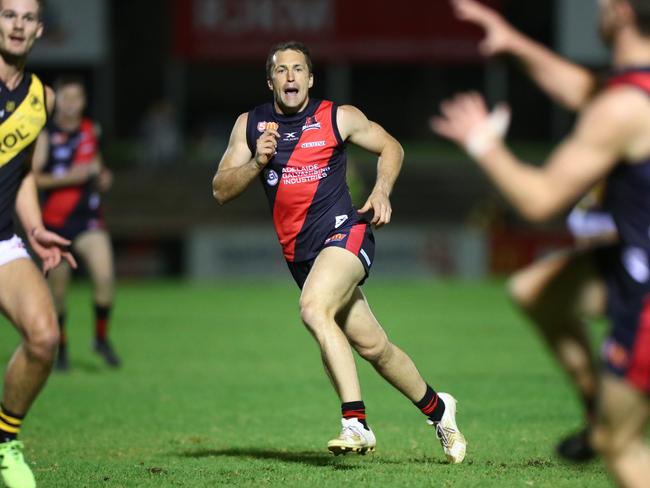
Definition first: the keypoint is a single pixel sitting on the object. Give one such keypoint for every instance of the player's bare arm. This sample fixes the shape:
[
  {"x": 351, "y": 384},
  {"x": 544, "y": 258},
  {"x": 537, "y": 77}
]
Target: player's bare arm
[
  {"x": 608, "y": 130},
  {"x": 569, "y": 84},
  {"x": 49, "y": 246},
  {"x": 238, "y": 167},
  {"x": 105, "y": 175},
  {"x": 43, "y": 180},
  {"x": 355, "y": 127},
  {"x": 77, "y": 175}
]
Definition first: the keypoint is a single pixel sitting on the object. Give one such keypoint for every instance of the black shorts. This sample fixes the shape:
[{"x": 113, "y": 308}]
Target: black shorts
[
  {"x": 358, "y": 239},
  {"x": 626, "y": 350}
]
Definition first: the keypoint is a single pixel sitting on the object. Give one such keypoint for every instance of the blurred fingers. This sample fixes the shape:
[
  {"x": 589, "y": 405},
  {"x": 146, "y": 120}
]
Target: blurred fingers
[{"x": 70, "y": 259}]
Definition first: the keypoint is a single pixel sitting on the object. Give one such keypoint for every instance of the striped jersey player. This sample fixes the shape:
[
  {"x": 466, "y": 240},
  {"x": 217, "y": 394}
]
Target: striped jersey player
[
  {"x": 25, "y": 104},
  {"x": 296, "y": 147},
  {"x": 306, "y": 187},
  {"x": 71, "y": 174},
  {"x": 610, "y": 142}
]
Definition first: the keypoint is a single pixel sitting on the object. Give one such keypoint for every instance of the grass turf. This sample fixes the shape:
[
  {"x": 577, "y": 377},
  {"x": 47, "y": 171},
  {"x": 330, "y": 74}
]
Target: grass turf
[{"x": 221, "y": 385}]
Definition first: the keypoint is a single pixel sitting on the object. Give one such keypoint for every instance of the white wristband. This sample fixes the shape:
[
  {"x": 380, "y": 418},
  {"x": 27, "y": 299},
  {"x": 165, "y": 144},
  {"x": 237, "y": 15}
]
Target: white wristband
[{"x": 484, "y": 136}]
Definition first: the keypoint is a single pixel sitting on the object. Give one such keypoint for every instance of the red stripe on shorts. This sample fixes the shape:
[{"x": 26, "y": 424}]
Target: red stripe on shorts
[
  {"x": 639, "y": 371},
  {"x": 355, "y": 239}
]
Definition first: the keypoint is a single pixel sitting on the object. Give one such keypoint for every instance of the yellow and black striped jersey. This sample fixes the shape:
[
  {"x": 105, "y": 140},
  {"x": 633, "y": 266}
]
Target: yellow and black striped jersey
[{"x": 23, "y": 113}]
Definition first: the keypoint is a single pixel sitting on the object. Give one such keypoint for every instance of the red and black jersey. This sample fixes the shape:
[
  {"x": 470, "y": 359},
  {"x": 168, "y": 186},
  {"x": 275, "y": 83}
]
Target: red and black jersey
[
  {"x": 305, "y": 181},
  {"x": 626, "y": 266},
  {"x": 627, "y": 187},
  {"x": 73, "y": 207}
]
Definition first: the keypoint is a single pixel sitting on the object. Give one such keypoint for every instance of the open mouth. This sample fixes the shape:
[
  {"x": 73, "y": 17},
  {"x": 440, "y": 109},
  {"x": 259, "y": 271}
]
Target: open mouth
[
  {"x": 16, "y": 38},
  {"x": 291, "y": 91}
]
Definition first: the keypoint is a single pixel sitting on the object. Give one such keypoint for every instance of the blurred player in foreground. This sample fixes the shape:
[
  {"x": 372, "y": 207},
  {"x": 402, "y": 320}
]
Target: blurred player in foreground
[
  {"x": 24, "y": 298},
  {"x": 560, "y": 282},
  {"x": 611, "y": 141},
  {"x": 70, "y": 171},
  {"x": 296, "y": 147}
]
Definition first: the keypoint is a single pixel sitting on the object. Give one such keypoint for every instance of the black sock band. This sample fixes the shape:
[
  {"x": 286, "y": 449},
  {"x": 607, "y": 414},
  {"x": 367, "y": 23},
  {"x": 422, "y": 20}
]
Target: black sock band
[
  {"x": 589, "y": 403},
  {"x": 431, "y": 405},
  {"x": 102, "y": 315},
  {"x": 355, "y": 410},
  {"x": 102, "y": 312}
]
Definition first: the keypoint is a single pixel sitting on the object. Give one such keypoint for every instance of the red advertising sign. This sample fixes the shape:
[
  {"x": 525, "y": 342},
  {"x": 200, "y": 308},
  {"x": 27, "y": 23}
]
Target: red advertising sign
[{"x": 334, "y": 30}]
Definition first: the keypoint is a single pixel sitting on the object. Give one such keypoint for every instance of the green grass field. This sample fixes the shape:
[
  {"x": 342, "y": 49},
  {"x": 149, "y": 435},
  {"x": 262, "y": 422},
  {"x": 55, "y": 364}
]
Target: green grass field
[{"x": 221, "y": 385}]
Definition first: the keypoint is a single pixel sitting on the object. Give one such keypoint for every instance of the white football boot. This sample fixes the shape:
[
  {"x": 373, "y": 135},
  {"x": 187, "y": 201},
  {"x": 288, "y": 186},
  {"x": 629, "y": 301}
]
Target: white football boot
[
  {"x": 452, "y": 441},
  {"x": 354, "y": 438}
]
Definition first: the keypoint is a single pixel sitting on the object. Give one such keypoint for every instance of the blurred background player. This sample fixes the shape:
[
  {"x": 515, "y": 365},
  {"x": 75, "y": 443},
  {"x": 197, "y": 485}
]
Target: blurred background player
[
  {"x": 611, "y": 141},
  {"x": 24, "y": 297},
  {"x": 559, "y": 289},
  {"x": 70, "y": 172},
  {"x": 562, "y": 284},
  {"x": 295, "y": 145}
]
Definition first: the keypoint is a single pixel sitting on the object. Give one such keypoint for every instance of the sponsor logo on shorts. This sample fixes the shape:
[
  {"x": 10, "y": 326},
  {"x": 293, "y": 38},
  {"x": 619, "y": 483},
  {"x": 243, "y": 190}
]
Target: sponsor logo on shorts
[
  {"x": 307, "y": 145},
  {"x": 339, "y": 220},
  {"x": 311, "y": 124},
  {"x": 271, "y": 177},
  {"x": 335, "y": 238},
  {"x": 264, "y": 126}
]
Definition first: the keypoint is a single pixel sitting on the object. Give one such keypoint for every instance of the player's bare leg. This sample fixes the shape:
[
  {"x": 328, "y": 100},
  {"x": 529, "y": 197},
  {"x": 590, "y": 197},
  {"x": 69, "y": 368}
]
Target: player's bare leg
[
  {"x": 32, "y": 313},
  {"x": 95, "y": 249},
  {"x": 558, "y": 293},
  {"x": 331, "y": 282},
  {"x": 371, "y": 342},
  {"x": 619, "y": 434},
  {"x": 58, "y": 280},
  {"x": 27, "y": 303}
]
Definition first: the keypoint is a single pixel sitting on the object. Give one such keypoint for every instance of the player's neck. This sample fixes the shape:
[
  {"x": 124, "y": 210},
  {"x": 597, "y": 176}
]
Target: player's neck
[
  {"x": 11, "y": 70},
  {"x": 290, "y": 111},
  {"x": 67, "y": 123},
  {"x": 630, "y": 50}
]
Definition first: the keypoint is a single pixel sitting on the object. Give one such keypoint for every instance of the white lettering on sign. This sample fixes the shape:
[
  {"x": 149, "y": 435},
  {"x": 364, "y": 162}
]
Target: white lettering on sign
[{"x": 273, "y": 16}]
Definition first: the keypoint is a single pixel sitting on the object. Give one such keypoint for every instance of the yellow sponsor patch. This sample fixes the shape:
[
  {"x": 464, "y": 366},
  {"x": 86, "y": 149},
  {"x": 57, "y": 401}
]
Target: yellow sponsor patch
[{"x": 22, "y": 127}]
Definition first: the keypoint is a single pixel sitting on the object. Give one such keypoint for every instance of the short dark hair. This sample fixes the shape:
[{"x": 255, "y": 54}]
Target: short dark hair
[
  {"x": 641, "y": 10},
  {"x": 287, "y": 46},
  {"x": 65, "y": 80}
]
